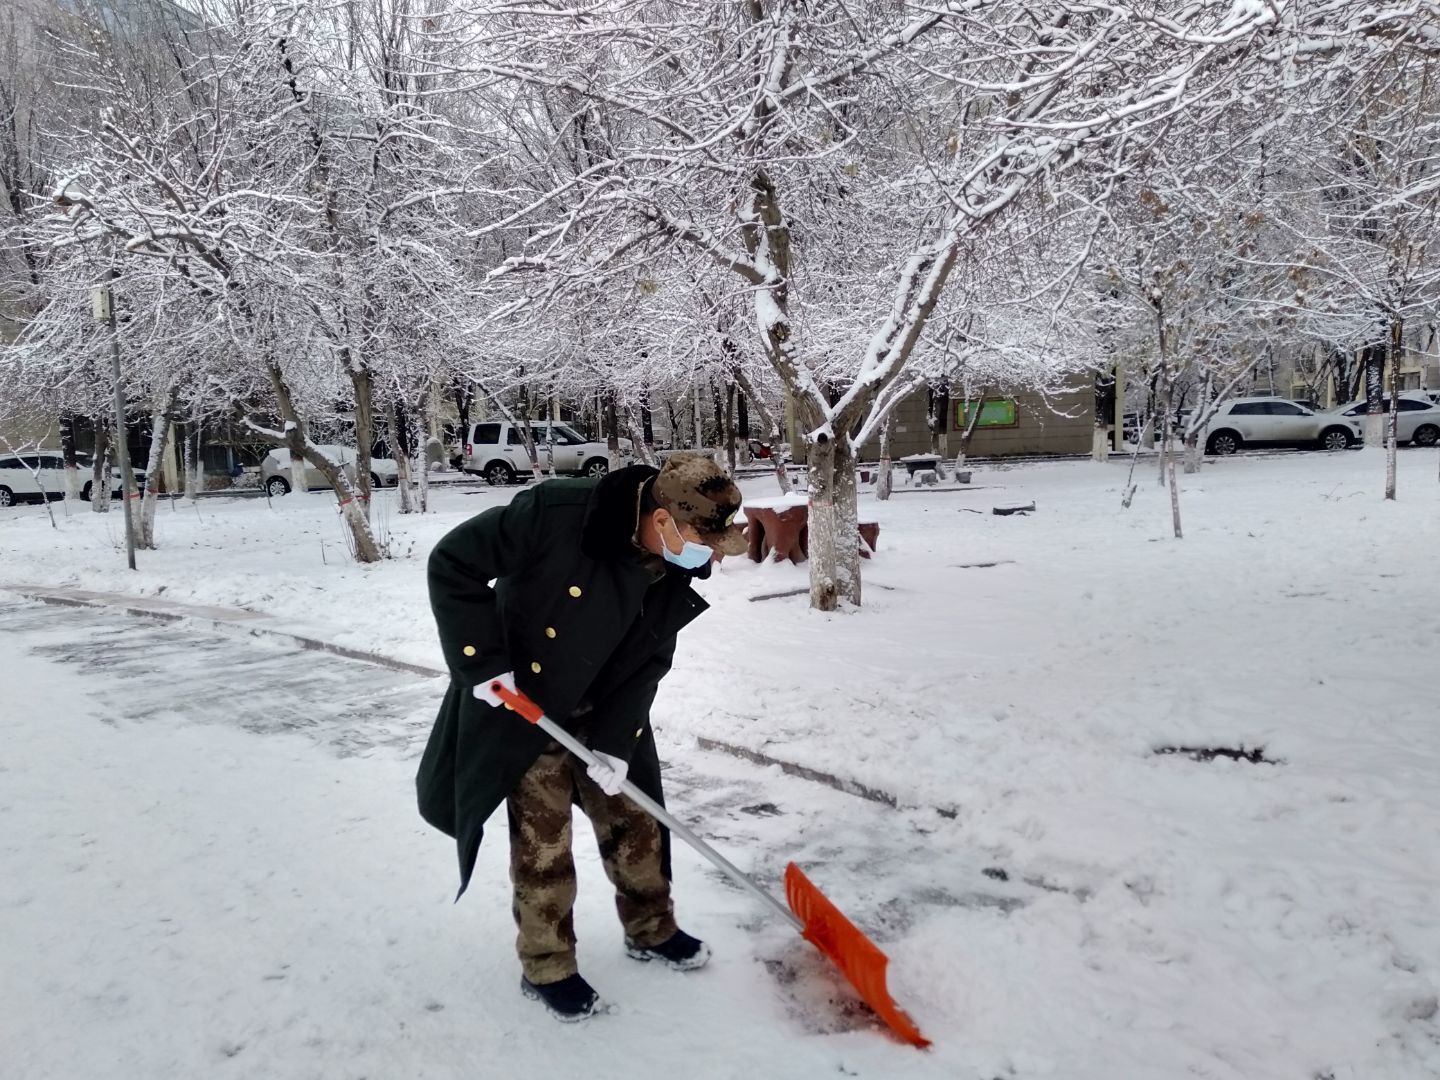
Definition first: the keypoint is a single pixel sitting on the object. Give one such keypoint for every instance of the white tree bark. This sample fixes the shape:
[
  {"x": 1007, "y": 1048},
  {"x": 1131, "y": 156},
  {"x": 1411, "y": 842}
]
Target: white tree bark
[
  {"x": 885, "y": 480},
  {"x": 187, "y": 464},
  {"x": 199, "y": 460},
  {"x": 1194, "y": 453},
  {"x": 1392, "y": 442},
  {"x": 299, "y": 482},
  {"x": 1174, "y": 487},
  {"x": 1374, "y": 432},
  {"x": 159, "y": 434},
  {"x": 404, "y": 476},
  {"x": 833, "y": 525},
  {"x": 100, "y": 470},
  {"x": 1099, "y": 445}
]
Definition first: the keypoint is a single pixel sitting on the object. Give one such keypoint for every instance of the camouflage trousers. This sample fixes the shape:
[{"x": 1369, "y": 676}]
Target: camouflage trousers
[{"x": 542, "y": 870}]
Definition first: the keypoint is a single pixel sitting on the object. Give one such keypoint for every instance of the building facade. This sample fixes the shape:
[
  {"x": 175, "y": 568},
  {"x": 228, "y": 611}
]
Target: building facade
[{"x": 1020, "y": 422}]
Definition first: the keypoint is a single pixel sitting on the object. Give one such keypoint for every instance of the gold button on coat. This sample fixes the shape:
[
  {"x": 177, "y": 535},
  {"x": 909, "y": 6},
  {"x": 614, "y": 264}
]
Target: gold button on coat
[
  {"x": 535, "y": 667},
  {"x": 639, "y": 731},
  {"x": 469, "y": 650},
  {"x": 575, "y": 591},
  {"x": 550, "y": 632}
]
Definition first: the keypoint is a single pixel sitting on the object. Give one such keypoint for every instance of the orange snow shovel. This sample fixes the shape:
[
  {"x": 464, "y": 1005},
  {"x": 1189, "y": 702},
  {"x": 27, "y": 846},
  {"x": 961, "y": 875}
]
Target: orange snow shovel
[{"x": 819, "y": 921}]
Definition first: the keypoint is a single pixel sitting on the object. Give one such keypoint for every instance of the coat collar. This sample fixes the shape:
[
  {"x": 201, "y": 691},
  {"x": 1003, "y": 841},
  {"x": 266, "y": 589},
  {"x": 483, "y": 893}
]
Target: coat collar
[{"x": 612, "y": 518}]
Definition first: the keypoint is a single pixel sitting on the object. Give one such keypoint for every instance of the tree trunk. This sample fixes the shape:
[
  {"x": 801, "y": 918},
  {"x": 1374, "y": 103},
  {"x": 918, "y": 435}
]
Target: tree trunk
[
  {"x": 699, "y": 425},
  {"x": 199, "y": 459},
  {"x": 400, "y": 453},
  {"x": 1193, "y": 453},
  {"x": 1129, "y": 493},
  {"x": 799, "y": 450},
  {"x": 298, "y": 480},
  {"x": 719, "y": 424},
  {"x": 364, "y": 389},
  {"x": 885, "y": 481},
  {"x": 187, "y": 459},
  {"x": 363, "y": 545},
  {"x": 464, "y": 395},
  {"x": 942, "y": 425},
  {"x": 67, "y": 451},
  {"x": 365, "y": 549},
  {"x": 1151, "y": 431},
  {"x": 777, "y": 459},
  {"x": 1392, "y": 442},
  {"x": 434, "y": 435},
  {"x": 644, "y": 450},
  {"x": 159, "y": 433},
  {"x": 730, "y": 426},
  {"x": 834, "y": 535},
  {"x": 414, "y": 445},
  {"x": 550, "y": 437},
  {"x": 100, "y": 469},
  {"x": 972, "y": 421},
  {"x": 1374, "y": 396},
  {"x": 1165, "y": 383},
  {"x": 612, "y": 431},
  {"x": 1174, "y": 487},
  {"x": 1167, "y": 450},
  {"x": 647, "y": 426},
  {"x": 1104, "y": 411},
  {"x": 521, "y": 424}
]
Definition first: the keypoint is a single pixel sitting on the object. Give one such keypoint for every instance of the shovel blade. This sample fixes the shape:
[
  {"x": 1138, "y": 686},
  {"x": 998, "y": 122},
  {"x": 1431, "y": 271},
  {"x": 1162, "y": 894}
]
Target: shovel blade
[{"x": 845, "y": 944}]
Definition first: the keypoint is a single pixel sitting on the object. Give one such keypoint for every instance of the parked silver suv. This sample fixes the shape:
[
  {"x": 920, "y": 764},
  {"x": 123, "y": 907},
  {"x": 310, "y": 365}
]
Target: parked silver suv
[
  {"x": 1274, "y": 421},
  {"x": 36, "y": 475},
  {"x": 496, "y": 451},
  {"x": 1418, "y": 421},
  {"x": 276, "y": 477}
]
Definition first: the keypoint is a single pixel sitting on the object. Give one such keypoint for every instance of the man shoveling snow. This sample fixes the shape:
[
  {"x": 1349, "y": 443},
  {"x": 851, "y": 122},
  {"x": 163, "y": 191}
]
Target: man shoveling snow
[{"x": 573, "y": 594}]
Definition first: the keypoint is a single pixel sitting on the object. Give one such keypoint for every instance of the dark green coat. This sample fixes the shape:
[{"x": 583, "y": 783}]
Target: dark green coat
[{"x": 579, "y": 616}]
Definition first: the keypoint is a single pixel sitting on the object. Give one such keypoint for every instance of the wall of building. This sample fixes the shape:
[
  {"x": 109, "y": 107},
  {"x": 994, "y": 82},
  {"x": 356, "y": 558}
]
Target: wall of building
[
  {"x": 1058, "y": 424},
  {"x": 28, "y": 431}
]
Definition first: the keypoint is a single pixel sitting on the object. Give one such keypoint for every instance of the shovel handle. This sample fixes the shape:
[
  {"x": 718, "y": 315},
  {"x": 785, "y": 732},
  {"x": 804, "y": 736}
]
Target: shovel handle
[{"x": 536, "y": 715}]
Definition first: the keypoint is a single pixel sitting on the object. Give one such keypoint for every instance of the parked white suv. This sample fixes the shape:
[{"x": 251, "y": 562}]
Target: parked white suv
[
  {"x": 1273, "y": 421},
  {"x": 496, "y": 451},
  {"x": 1418, "y": 421},
  {"x": 19, "y": 481},
  {"x": 276, "y": 476}
]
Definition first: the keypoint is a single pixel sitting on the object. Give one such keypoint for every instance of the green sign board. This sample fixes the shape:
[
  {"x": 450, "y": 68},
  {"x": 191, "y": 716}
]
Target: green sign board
[{"x": 994, "y": 412}]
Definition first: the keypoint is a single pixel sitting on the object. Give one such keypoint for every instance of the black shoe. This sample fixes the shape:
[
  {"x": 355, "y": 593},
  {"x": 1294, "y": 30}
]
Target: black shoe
[
  {"x": 569, "y": 999},
  {"x": 681, "y": 952}
]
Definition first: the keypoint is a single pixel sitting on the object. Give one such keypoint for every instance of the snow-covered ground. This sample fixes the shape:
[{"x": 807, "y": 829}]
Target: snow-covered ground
[{"x": 1007, "y": 683}]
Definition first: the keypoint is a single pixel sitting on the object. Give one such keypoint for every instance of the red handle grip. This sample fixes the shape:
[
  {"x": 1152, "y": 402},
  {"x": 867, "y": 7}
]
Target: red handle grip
[{"x": 517, "y": 701}]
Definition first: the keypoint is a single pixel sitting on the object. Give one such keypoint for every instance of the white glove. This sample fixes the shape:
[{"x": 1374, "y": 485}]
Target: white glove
[
  {"x": 608, "y": 772},
  {"x": 485, "y": 694}
]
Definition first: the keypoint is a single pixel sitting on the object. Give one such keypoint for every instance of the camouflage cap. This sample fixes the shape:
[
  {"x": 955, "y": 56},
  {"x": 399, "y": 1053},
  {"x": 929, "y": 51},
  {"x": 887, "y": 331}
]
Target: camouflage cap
[{"x": 699, "y": 493}]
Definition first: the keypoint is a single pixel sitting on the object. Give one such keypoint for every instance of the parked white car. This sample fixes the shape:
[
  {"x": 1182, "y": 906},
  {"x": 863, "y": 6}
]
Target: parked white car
[
  {"x": 1418, "y": 421},
  {"x": 496, "y": 451},
  {"x": 277, "y": 479},
  {"x": 36, "y": 474},
  {"x": 1274, "y": 421}
]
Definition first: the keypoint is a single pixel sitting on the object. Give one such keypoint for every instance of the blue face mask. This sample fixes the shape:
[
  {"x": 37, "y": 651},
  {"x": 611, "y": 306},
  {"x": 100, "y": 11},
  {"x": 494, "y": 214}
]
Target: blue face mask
[{"x": 692, "y": 556}]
